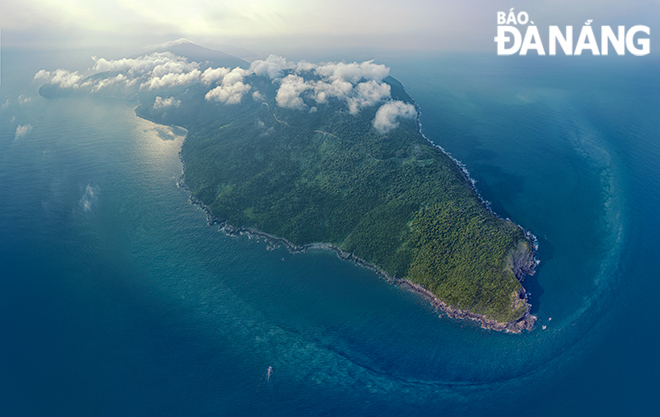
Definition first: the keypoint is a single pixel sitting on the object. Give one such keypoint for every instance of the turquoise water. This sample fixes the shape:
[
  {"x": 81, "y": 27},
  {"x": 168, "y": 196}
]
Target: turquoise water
[{"x": 118, "y": 299}]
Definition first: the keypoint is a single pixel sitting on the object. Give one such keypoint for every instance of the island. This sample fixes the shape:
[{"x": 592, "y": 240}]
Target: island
[{"x": 332, "y": 156}]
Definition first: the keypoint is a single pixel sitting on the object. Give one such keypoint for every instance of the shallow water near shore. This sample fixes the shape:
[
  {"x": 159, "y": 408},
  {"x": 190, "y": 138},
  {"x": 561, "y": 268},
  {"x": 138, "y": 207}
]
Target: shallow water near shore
[{"x": 118, "y": 299}]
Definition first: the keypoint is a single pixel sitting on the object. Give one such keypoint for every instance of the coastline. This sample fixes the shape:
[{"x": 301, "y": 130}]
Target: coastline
[
  {"x": 527, "y": 255},
  {"x": 520, "y": 266},
  {"x": 526, "y": 322},
  {"x": 520, "y": 271}
]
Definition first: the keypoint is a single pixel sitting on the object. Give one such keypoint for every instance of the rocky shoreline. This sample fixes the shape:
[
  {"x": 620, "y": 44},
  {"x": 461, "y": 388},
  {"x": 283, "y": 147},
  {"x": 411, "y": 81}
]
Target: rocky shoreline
[
  {"x": 526, "y": 322},
  {"x": 522, "y": 263}
]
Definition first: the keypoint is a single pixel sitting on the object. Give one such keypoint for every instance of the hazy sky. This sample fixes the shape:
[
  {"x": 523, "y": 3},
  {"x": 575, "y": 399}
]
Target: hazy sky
[{"x": 260, "y": 25}]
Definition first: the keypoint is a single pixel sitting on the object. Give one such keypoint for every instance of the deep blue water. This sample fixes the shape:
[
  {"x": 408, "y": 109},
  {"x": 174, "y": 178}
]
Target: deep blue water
[{"x": 116, "y": 298}]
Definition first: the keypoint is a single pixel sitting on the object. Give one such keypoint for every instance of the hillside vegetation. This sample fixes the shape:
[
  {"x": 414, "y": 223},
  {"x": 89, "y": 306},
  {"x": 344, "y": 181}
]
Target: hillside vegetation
[{"x": 391, "y": 199}]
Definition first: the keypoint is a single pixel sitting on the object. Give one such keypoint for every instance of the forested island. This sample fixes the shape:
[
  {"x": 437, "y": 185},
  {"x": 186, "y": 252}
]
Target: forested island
[{"x": 332, "y": 156}]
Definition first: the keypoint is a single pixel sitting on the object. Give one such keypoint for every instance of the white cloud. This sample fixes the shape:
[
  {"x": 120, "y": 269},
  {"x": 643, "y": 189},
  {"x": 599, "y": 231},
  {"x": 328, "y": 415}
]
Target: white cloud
[
  {"x": 258, "y": 96},
  {"x": 211, "y": 75},
  {"x": 154, "y": 71},
  {"x": 232, "y": 88},
  {"x": 156, "y": 64},
  {"x": 357, "y": 97},
  {"x": 387, "y": 114},
  {"x": 42, "y": 75},
  {"x": 288, "y": 95},
  {"x": 229, "y": 94},
  {"x": 5, "y": 104},
  {"x": 234, "y": 76},
  {"x": 120, "y": 81},
  {"x": 329, "y": 80},
  {"x": 337, "y": 88},
  {"x": 358, "y": 85},
  {"x": 303, "y": 66},
  {"x": 166, "y": 102},
  {"x": 174, "y": 67},
  {"x": 21, "y": 131},
  {"x": 63, "y": 78},
  {"x": 272, "y": 66},
  {"x": 366, "y": 95},
  {"x": 353, "y": 72},
  {"x": 172, "y": 80}
]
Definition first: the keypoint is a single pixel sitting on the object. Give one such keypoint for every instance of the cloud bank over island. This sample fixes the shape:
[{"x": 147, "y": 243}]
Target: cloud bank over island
[
  {"x": 298, "y": 85},
  {"x": 156, "y": 71}
]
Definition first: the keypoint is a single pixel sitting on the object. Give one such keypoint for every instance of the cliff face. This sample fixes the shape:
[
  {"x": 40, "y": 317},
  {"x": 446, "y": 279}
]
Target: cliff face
[{"x": 521, "y": 260}]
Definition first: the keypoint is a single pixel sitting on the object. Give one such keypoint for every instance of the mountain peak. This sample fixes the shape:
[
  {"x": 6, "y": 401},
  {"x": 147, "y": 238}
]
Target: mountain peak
[
  {"x": 168, "y": 44},
  {"x": 194, "y": 52}
]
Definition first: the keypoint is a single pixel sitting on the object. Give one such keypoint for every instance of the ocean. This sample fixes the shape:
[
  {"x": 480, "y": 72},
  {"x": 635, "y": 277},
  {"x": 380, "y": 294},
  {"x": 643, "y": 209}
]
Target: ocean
[{"x": 117, "y": 298}]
